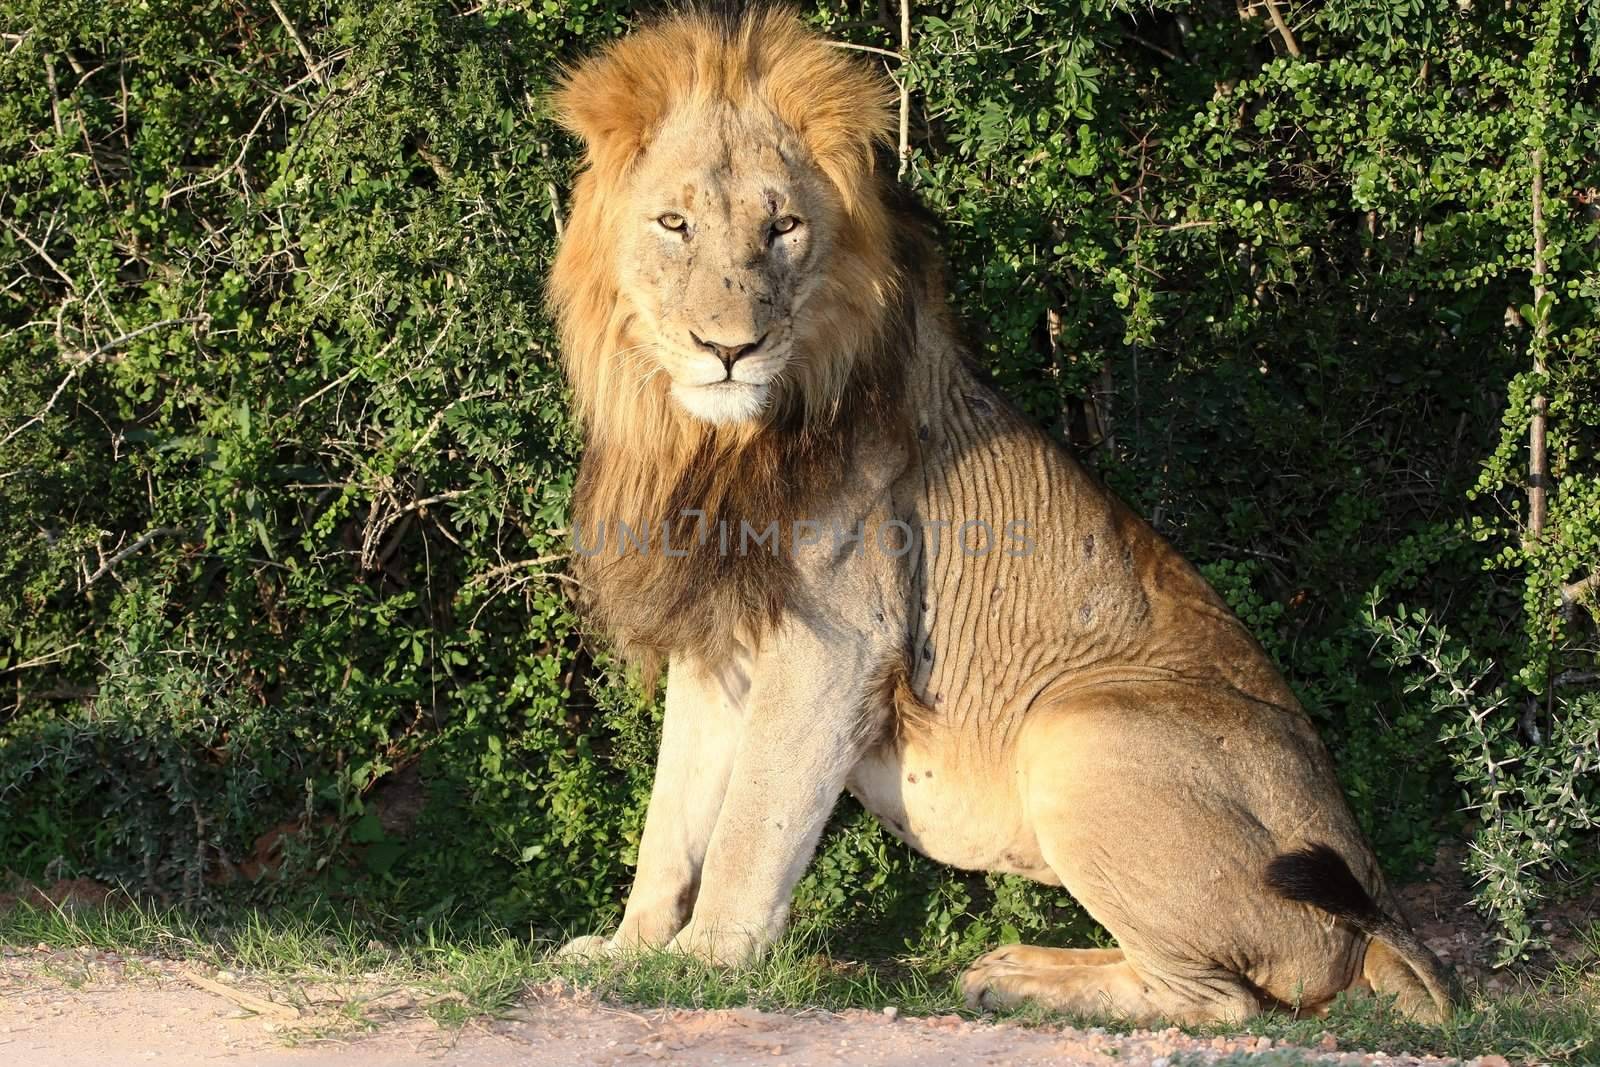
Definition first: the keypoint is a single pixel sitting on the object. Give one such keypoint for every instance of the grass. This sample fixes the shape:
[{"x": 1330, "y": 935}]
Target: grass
[{"x": 346, "y": 972}]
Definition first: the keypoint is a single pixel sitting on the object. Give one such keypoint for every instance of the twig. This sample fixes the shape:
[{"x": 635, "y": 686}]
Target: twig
[
  {"x": 245, "y": 1000},
  {"x": 107, "y": 565},
  {"x": 48, "y": 404},
  {"x": 29, "y": 241},
  {"x": 280, "y": 97},
  {"x": 1165, "y": 53},
  {"x": 555, "y": 207},
  {"x": 1538, "y": 458},
  {"x": 1576, "y": 594},
  {"x": 440, "y": 498},
  {"x": 53, "y": 656},
  {"x": 79, "y": 360},
  {"x": 55, "y": 97},
  {"x": 115, "y": 343},
  {"x": 905, "y": 88},
  {"x": 345, "y": 377},
  {"x": 294, "y": 35},
  {"x": 1277, "y": 20},
  {"x": 896, "y": 56},
  {"x": 509, "y": 568}
]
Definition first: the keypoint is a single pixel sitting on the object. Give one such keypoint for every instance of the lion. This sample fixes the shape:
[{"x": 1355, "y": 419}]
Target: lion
[{"x": 864, "y": 571}]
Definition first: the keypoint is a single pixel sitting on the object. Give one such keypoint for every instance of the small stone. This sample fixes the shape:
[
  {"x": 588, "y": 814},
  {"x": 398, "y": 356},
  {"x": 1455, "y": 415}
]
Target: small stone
[
  {"x": 1160, "y": 1061},
  {"x": 1492, "y": 1061},
  {"x": 1328, "y": 1043},
  {"x": 227, "y": 976},
  {"x": 891, "y": 1012}
]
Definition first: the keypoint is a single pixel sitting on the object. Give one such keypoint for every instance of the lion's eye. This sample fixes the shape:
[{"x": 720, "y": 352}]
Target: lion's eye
[
  {"x": 672, "y": 221},
  {"x": 784, "y": 224}
]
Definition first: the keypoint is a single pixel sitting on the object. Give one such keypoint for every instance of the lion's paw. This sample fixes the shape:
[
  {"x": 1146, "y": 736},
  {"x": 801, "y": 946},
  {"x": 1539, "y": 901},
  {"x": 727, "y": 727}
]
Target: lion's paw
[
  {"x": 993, "y": 980},
  {"x": 588, "y": 947},
  {"x": 718, "y": 946}
]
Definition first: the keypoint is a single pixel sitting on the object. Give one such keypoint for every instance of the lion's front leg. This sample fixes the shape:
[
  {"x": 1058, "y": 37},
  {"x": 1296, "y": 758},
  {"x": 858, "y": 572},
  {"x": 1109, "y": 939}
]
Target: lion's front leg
[
  {"x": 804, "y": 731},
  {"x": 699, "y": 737}
]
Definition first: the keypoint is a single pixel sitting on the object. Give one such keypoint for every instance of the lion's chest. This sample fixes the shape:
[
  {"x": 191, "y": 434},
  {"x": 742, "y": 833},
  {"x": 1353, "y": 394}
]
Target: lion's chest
[{"x": 963, "y": 811}]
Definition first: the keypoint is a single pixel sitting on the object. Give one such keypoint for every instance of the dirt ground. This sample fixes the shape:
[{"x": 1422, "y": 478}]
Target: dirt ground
[
  {"x": 66, "y": 1007},
  {"x": 165, "y": 1019}
]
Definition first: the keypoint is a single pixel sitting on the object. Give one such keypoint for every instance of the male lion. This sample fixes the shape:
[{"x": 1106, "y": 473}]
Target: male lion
[{"x": 755, "y": 332}]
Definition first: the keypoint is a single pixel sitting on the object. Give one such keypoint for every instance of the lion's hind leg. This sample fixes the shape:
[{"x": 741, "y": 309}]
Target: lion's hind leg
[{"x": 1005, "y": 979}]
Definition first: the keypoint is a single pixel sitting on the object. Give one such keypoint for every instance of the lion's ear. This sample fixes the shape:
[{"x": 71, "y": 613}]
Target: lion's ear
[
  {"x": 601, "y": 102},
  {"x": 842, "y": 126},
  {"x": 842, "y": 108}
]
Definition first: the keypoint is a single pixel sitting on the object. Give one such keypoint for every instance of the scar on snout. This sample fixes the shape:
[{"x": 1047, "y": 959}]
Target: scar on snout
[
  {"x": 727, "y": 283},
  {"x": 912, "y": 778},
  {"x": 1085, "y": 613},
  {"x": 1088, "y": 546}
]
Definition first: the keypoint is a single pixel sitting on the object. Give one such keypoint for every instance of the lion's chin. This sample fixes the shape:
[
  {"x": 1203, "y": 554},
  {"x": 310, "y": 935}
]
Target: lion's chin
[{"x": 723, "y": 402}]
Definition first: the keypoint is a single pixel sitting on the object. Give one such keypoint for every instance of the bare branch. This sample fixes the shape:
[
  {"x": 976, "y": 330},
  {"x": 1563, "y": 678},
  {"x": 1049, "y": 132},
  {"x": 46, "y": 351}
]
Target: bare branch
[
  {"x": 117, "y": 342},
  {"x": 78, "y": 360},
  {"x": 1284, "y": 32},
  {"x": 39, "y": 249},
  {"x": 896, "y": 56},
  {"x": 1538, "y": 458},
  {"x": 305, "y": 53},
  {"x": 45, "y": 660},
  {"x": 1577, "y": 594},
  {"x": 48, "y": 404},
  {"x": 905, "y": 88},
  {"x": 107, "y": 565},
  {"x": 509, "y": 568},
  {"x": 555, "y": 207},
  {"x": 438, "y": 498},
  {"x": 55, "y": 96}
]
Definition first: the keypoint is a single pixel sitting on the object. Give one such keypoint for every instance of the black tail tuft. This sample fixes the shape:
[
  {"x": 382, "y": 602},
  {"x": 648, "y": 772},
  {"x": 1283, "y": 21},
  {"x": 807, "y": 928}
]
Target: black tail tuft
[{"x": 1319, "y": 876}]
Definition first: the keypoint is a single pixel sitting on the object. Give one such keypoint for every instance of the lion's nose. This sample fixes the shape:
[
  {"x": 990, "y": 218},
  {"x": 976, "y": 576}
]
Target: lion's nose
[{"x": 728, "y": 353}]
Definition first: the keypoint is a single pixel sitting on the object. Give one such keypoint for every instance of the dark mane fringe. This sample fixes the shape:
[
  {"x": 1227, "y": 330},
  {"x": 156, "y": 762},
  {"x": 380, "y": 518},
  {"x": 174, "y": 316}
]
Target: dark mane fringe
[{"x": 651, "y": 605}]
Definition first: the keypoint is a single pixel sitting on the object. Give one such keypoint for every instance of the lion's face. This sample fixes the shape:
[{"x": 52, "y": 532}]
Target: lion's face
[
  {"x": 728, "y": 227},
  {"x": 728, "y": 264}
]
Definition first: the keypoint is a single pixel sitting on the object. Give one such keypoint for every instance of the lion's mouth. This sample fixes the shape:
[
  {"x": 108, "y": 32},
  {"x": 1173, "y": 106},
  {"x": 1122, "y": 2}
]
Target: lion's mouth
[{"x": 729, "y": 400}]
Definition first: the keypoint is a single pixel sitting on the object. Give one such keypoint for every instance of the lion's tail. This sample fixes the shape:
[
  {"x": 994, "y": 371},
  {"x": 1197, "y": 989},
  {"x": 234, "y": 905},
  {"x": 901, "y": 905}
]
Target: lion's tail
[{"x": 1319, "y": 876}]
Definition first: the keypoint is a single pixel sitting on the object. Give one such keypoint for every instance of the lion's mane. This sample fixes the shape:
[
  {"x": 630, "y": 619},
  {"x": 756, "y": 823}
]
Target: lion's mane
[{"x": 646, "y": 461}]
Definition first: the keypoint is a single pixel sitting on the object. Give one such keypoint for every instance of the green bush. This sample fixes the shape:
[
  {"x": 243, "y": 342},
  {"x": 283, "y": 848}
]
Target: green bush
[{"x": 285, "y": 458}]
